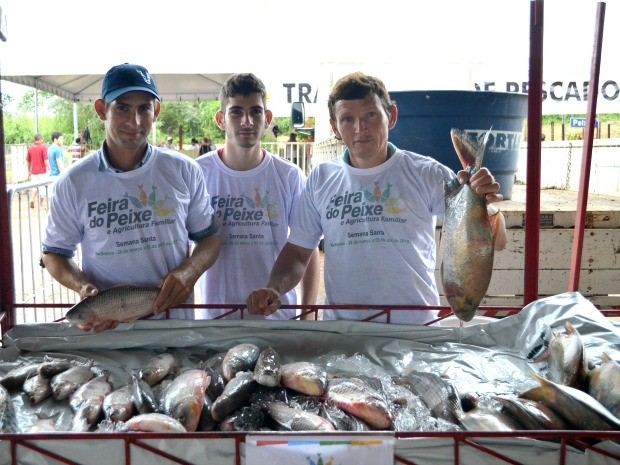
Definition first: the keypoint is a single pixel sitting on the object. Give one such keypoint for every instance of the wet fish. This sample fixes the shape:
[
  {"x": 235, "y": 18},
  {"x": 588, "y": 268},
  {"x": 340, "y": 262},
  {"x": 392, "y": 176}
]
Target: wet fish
[
  {"x": 15, "y": 378},
  {"x": 242, "y": 357},
  {"x": 483, "y": 420},
  {"x": 604, "y": 384},
  {"x": 184, "y": 398},
  {"x": 120, "y": 303},
  {"x": 235, "y": 394},
  {"x": 154, "y": 423},
  {"x": 213, "y": 367},
  {"x": 157, "y": 368},
  {"x": 531, "y": 414},
  {"x": 578, "y": 408},
  {"x": 206, "y": 422},
  {"x": 143, "y": 397},
  {"x": 357, "y": 398},
  {"x": 268, "y": 369},
  {"x": 566, "y": 358},
  {"x": 87, "y": 401},
  {"x": 293, "y": 419},
  {"x": 66, "y": 383},
  {"x": 118, "y": 405},
  {"x": 159, "y": 391},
  {"x": 52, "y": 367},
  {"x": 305, "y": 377},
  {"x": 466, "y": 239},
  {"x": 438, "y": 394},
  {"x": 44, "y": 425},
  {"x": 341, "y": 420},
  {"x": 37, "y": 388}
]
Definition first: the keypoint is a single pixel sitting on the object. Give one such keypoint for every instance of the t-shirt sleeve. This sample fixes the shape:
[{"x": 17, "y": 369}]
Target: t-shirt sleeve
[
  {"x": 201, "y": 219},
  {"x": 64, "y": 229},
  {"x": 306, "y": 228}
]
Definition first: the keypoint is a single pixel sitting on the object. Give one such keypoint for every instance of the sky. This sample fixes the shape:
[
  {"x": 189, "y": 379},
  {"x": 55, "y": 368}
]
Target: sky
[{"x": 410, "y": 44}]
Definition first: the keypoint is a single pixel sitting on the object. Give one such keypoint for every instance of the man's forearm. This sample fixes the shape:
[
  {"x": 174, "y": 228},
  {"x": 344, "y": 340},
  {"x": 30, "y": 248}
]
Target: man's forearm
[
  {"x": 202, "y": 258},
  {"x": 65, "y": 271},
  {"x": 289, "y": 268}
]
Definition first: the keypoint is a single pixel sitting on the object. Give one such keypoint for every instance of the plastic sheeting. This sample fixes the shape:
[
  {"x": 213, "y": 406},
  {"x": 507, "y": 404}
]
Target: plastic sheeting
[{"x": 488, "y": 358}]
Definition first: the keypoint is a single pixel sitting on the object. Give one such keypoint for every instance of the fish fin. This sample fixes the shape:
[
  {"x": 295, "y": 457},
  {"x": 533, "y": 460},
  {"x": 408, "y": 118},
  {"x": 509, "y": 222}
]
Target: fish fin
[
  {"x": 465, "y": 148},
  {"x": 496, "y": 221}
]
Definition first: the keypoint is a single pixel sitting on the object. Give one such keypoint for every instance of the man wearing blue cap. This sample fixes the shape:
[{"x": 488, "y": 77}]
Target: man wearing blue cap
[{"x": 133, "y": 207}]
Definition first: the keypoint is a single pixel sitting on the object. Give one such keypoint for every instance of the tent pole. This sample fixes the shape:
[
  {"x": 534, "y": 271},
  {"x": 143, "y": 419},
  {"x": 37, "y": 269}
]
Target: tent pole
[{"x": 76, "y": 130}]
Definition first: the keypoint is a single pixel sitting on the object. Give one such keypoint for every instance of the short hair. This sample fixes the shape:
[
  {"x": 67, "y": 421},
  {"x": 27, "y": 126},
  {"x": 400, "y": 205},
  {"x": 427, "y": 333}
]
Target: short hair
[
  {"x": 242, "y": 84},
  {"x": 56, "y": 135},
  {"x": 38, "y": 137},
  {"x": 356, "y": 86}
]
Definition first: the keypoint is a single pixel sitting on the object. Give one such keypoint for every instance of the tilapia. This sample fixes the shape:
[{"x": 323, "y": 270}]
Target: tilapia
[
  {"x": 120, "y": 303},
  {"x": 15, "y": 378},
  {"x": 483, "y": 420},
  {"x": 184, "y": 398},
  {"x": 531, "y": 414},
  {"x": 604, "y": 384},
  {"x": 206, "y": 422},
  {"x": 293, "y": 419},
  {"x": 357, "y": 398},
  {"x": 341, "y": 420},
  {"x": 268, "y": 369},
  {"x": 37, "y": 388},
  {"x": 51, "y": 367},
  {"x": 578, "y": 408},
  {"x": 566, "y": 358},
  {"x": 438, "y": 394},
  {"x": 157, "y": 368},
  {"x": 143, "y": 397},
  {"x": 154, "y": 423},
  {"x": 118, "y": 405},
  {"x": 466, "y": 238},
  {"x": 87, "y": 401},
  {"x": 66, "y": 383},
  {"x": 235, "y": 394},
  {"x": 305, "y": 377},
  {"x": 242, "y": 357}
]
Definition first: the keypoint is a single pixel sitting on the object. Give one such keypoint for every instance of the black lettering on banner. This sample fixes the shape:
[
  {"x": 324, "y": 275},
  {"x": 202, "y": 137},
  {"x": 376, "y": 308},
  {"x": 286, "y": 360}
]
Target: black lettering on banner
[{"x": 614, "y": 86}]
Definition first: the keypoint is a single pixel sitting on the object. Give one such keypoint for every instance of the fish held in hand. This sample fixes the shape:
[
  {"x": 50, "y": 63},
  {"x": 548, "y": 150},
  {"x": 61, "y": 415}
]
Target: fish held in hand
[
  {"x": 120, "y": 303},
  {"x": 467, "y": 239}
]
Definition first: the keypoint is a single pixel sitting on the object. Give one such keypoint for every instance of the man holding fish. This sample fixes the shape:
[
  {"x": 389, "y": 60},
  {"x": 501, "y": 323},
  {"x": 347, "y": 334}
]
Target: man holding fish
[
  {"x": 376, "y": 207},
  {"x": 131, "y": 207}
]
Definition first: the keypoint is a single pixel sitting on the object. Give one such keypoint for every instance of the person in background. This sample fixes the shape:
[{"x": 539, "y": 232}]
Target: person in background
[
  {"x": 38, "y": 168},
  {"x": 132, "y": 207},
  {"x": 77, "y": 149},
  {"x": 168, "y": 144},
  {"x": 205, "y": 146},
  {"x": 255, "y": 195},
  {"x": 55, "y": 155},
  {"x": 194, "y": 144},
  {"x": 376, "y": 207}
]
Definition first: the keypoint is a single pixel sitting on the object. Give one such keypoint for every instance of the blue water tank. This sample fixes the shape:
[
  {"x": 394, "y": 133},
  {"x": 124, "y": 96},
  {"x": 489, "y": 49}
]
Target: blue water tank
[{"x": 426, "y": 117}]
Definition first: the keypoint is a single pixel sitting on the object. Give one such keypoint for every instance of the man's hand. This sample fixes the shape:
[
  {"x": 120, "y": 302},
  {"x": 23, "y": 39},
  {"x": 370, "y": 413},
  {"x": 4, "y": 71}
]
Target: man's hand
[
  {"x": 263, "y": 301},
  {"x": 175, "y": 289},
  {"x": 482, "y": 182}
]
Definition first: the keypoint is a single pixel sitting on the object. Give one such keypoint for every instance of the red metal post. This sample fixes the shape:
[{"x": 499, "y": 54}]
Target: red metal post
[
  {"x": 534, "y": 131},
  {"x": 586, "y": 157}
]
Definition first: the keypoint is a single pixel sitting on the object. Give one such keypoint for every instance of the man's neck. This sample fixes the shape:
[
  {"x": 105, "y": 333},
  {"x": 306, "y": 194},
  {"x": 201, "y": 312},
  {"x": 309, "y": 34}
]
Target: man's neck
[
  {"x": 124, "y": 160},
  {"x": 241, "y": 158}
]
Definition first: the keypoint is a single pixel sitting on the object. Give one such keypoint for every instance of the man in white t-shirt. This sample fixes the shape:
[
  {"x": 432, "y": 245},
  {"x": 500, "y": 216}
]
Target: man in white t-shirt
[
  {"x": 254, "y": 194},
  {"x": 132, "y": 207},
  {"x": 376, "y": 207}
]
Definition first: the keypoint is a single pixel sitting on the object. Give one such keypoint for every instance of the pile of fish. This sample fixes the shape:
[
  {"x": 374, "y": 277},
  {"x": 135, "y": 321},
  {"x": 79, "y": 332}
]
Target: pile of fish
[{"x": 246, "y": 389}]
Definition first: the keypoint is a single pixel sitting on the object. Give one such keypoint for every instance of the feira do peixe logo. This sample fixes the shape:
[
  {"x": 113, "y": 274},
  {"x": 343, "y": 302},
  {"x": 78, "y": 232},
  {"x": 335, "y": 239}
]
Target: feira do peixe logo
[
  {"x": 135, "y": 210},
  {"x": 319, "y": 460},
  {"x": 375, "y": 203},
  {"x": 257, "y": 209}
]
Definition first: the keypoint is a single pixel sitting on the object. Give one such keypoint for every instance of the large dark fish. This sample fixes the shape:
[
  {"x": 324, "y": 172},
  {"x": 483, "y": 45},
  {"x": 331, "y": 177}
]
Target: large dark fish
[
  {"x": 466, "y": 239},
  {"x": 120, "y": 303},
  {"x": 235, "y": 394},
  {"x": 242, "y": 357},
  {"x": 531, "y": 414},
  {"x": 604, "y": 384},
  {"x": 581, "y": 410}
]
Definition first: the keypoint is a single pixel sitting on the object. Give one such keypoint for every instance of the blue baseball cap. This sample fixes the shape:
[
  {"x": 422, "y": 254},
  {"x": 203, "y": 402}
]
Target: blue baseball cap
[{"x": 127, "y": 78}]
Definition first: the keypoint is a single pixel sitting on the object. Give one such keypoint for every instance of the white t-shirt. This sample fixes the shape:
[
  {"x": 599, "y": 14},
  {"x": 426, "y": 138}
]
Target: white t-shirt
[
  {"x": 254, "y": 209},
  {"x": 134, "y": 227},
  {"x": 379, "y": 233}
]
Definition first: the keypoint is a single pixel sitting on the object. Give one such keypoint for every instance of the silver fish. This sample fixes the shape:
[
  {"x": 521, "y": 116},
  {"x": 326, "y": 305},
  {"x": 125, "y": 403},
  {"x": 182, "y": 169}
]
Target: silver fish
[
  {"x": 305, "y": 377},
  {"x": 268, "y": 369},
  {"x": 118, "y": 405},
  {"x": 466, "y": 240},
  {"x": 154, "y": 423},
  {"x": 52, "y": 367},
  {"x": 483, "y": 420},
  {"x": 120, "y": 303},
  {"x": 184, "y": 398},
  {"x": 438, "y": 394},
  {"x": 15, "y": 378},
  {"x": 66, "y": 383},
  {"x": 143, "y": 396},
  {"x": 604, "y": 384},
  {"x": 87, "y": 401},
  {"x": 235, "y": 394},
  {"x": 157, "y": 368},
  {"x": 531, "y": 414},
  {"x": 578, "y": 408},
  {"x": 37, "y": 388},
  {"x": 242, "y": 357},
  {"x": 357, "y": 398},
  {"x": 293, "y": 419}
]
